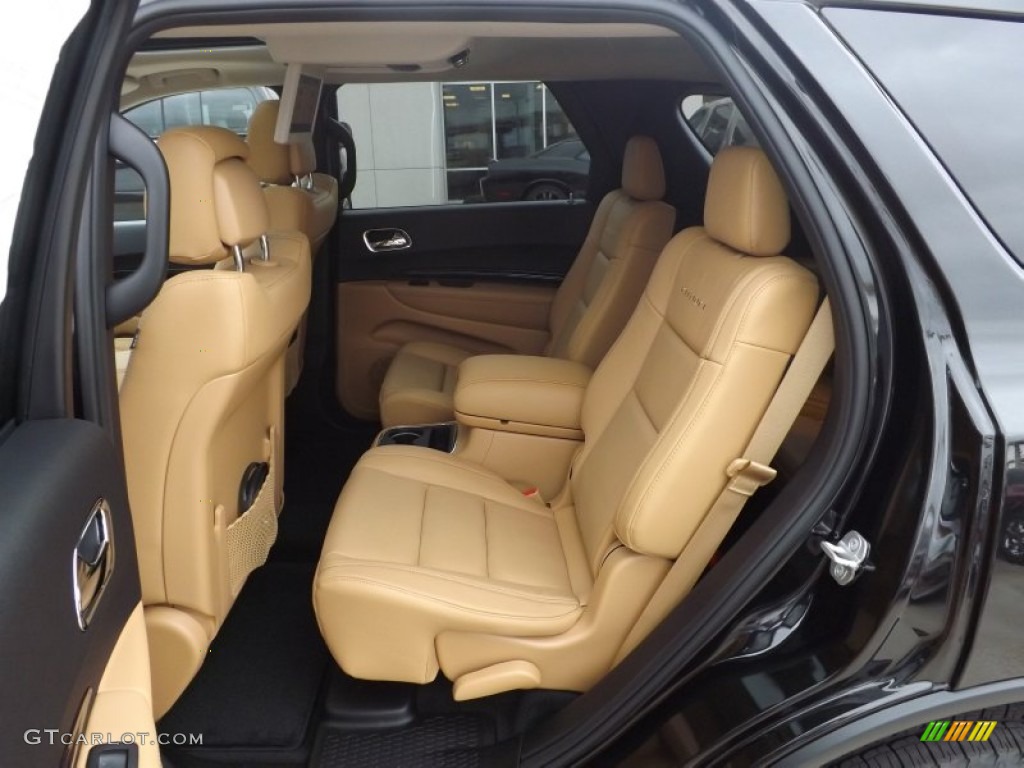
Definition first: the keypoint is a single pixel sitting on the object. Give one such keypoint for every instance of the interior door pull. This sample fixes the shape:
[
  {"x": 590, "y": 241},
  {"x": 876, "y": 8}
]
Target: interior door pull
[
  {"x": 93, "y": 562},
  {"x": 378, "y": 240}
]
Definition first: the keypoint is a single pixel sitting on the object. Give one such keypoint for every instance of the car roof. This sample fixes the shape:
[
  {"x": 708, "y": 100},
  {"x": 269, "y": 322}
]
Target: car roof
[{"x": 206, "y": 56}]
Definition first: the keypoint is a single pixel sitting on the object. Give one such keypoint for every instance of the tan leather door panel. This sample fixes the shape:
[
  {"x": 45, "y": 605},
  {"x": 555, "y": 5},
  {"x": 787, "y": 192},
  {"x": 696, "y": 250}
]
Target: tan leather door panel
[{"x": 375, "y": 318}]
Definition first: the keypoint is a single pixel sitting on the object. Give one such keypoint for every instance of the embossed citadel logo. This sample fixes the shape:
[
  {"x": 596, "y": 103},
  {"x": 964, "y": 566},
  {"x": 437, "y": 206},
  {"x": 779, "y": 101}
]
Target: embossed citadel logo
[{"x": 694, "y": 298}]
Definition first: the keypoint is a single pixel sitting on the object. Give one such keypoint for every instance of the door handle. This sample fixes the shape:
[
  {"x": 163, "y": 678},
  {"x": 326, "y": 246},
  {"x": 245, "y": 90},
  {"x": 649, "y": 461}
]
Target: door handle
[
  {"x": 378, "y": 240},
  {"x": 92, "y": 562}
]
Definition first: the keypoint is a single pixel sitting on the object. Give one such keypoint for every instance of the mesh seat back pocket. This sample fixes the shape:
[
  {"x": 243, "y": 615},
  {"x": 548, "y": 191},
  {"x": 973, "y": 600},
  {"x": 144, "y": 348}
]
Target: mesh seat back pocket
[{"x": 250, "y": 537}]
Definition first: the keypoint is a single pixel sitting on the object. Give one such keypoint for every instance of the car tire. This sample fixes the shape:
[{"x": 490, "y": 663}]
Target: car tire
[
  {"x": 546, "y": 191},
  {"x": 1011, "y": 535},
  {"x": 1005, "y": 747},
  {"x": 1011, "y": 538}
]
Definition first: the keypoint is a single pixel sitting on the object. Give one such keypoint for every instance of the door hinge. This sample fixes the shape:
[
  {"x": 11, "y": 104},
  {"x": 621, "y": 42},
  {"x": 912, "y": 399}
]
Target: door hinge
[{"x": 849, "y": 557}]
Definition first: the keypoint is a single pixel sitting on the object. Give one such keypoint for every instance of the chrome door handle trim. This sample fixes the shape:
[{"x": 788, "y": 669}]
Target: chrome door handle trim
[
  {"x": 92, "y": 562},
  {"x": 390, "y": 239}
]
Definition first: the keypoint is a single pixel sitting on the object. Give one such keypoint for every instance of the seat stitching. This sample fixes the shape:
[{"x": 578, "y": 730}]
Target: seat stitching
[
  {"x": 572, "y": 607},
  {"x": 423, "y": 516},
  {"x": 487, "y": 543},
  {"x": 518, "y": 379},
  {"x": 451, "y": 578},
  {"x": 643, "y": 408},
  {"x": 494, "y": 479}
]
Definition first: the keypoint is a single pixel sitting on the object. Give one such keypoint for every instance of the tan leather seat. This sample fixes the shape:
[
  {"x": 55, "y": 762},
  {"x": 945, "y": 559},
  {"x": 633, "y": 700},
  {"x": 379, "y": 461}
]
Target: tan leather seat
[
  {"x": 629, "y": 229},
  {"x": 298, "y": 198},
  {"x": 433, "y": 562},
  {"x": 203, "y": 398}
]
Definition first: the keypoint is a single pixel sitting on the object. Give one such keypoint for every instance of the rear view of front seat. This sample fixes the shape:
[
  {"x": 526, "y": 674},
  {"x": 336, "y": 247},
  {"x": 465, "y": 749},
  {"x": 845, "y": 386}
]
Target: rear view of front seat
[
  {"x": 298, "y": 198},
  {"x": 434, "y": 562},
  {"x": 202, "y": 401},
  {"x": 629, "y": 229}
]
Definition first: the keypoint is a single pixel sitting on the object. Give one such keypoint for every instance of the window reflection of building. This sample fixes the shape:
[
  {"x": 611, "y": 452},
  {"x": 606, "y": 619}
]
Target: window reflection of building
[{"x": 495, "y": 121}]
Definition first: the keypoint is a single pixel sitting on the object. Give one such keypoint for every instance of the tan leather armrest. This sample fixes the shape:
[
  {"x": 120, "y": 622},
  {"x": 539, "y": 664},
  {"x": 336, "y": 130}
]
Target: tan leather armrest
[{"x": 520, "y": 393}]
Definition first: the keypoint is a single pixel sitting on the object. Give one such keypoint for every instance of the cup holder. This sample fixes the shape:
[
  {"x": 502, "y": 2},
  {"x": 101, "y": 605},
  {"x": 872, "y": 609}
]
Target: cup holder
[{"x": 440, "y": 437}]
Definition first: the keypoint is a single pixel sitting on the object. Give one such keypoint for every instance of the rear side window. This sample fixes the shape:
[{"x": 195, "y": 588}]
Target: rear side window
[
  {"x": 717, "y": 122},
  {"x": 959, "y": 81},
  {"x": 479, "y": 142}
]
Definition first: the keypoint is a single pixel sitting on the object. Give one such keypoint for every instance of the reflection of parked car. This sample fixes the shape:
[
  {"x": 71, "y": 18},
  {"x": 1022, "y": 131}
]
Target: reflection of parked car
[
  {"x": 719, "y": 124},
  {"x": 554, "y": 173}
]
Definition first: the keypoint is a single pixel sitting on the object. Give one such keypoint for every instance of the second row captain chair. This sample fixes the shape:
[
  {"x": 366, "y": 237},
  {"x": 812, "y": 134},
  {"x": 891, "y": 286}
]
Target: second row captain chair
[
  {"x": 434, "y": 562},
  {"x": 629, "y": 229},
  {"x": 202, "y": 403},
  {"x": 298, "y": 198}
]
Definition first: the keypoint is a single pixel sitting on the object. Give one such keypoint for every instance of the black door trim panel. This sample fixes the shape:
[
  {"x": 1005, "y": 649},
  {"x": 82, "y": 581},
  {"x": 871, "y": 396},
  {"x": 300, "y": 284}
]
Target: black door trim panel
[
  {"x": 53, "y": 472},
  {"x": 520, "y": 242}
]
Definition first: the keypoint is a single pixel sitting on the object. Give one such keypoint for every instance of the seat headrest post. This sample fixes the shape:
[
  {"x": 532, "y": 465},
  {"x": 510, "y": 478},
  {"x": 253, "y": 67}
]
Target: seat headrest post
[
  {"x": 302, "y": 157},
  {"x": 236, "y": 254}
]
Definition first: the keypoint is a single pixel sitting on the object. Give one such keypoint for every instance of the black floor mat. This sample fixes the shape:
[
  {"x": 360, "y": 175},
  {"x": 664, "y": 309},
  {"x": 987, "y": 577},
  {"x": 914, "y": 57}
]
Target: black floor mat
[
  {"x": 441, "y": 741},
  {"x": 259, "y": 685}
]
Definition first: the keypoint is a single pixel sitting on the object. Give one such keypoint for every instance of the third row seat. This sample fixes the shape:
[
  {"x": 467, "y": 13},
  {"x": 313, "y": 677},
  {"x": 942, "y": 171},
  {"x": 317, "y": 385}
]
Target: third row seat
[{"x": 629, "y": 229}]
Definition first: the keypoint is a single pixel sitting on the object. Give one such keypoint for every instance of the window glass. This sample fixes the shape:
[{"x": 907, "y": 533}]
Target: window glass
[
  {"x": 149, "y": 117},
  {"x": 440, "y": 143},
  {"x": 229, "y": 108},
  {"x": 182, "y": 109},
  {"x": 958, "y": 80},
  {"x": 469, "y": 132},
  {"x": 518, "y": 121},
  {"x": 717, "y": 122}
]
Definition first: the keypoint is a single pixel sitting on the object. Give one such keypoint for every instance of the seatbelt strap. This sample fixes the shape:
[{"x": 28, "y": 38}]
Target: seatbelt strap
[{"x": 746, "y": 474}]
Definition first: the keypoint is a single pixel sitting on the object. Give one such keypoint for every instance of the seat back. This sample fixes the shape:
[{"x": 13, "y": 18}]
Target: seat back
[
  {"x": 680, "y": 393},
  {"x": 630, "y": 227},
  {"x": 298, "y": 198},
  {"x": 203, "y": 397}
]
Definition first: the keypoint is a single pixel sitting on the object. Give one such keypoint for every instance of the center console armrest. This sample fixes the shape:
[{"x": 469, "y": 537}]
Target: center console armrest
[{"x": 523, "y": 394}]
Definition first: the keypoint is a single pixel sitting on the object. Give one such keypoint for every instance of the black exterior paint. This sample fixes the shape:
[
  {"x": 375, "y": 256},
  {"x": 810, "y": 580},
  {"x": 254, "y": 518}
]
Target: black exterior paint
[{"x": 903, "y": 644}]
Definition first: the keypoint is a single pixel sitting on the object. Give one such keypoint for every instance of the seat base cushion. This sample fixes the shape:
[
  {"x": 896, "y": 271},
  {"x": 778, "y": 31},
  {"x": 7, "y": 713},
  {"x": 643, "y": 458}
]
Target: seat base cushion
[
  {"x": 419, "y": 387},
  {"x": 421, "y": 543}
]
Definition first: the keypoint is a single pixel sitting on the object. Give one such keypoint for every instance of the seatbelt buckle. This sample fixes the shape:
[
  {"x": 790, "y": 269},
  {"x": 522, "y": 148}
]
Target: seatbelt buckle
[{"x": 747, "y": 476}]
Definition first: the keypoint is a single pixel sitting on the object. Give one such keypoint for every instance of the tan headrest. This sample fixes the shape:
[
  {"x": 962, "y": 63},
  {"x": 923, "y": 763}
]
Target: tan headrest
[
  {"x": 746, "y": 207},
  {"x": 276, "y": 163},
  {"x": 216, "y": 200},
  {"x": 643, "y": 175},
  {"x": 267, "y": 158}
]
